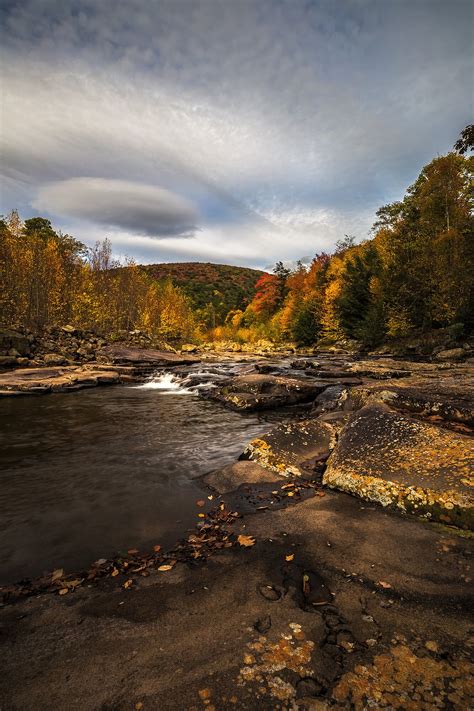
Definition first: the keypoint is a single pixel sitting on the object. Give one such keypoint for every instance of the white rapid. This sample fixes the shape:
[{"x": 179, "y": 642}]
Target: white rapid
[{"x": 167, "y": 383}]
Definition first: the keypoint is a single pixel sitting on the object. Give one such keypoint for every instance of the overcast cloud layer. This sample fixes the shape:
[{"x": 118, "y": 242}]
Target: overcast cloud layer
[{"x": 236, "y": 131}]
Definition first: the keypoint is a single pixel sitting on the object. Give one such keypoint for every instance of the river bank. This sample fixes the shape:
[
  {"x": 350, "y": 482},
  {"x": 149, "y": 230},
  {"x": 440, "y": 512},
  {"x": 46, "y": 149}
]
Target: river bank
[{"x": 316, "y": 576}]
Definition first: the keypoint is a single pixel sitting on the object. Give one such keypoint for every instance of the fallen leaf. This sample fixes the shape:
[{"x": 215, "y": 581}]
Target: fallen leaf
[
  {"x": 101, "y": 561},
  {"x": 73, "y": 583},
  {"x": 157, "y": 548},
  {"x": 128, "y": 584},
  {"x": 204, "y": 694},
  {"x": 385, "y": 585},
  {"x": 432, "y": 646},
  {"x": 291, "y": 493},
  {"x": 114, "y": 572},
  {"x": 63, "y": 591},
  {"x": 201, "y": 515},
  {"x": 246, "y": 541},
  {"x": 138, "y": 706},
  {"x": 289, "y": 557},
  {"x": 306, "y": 586},
  {"x": 167, "y": 566},
  {"x": 201, "y": 502},
  {"x": 57, "y": 574},
  {"x": 321, "y": 494},
  {"x": 132, "y": 551}
]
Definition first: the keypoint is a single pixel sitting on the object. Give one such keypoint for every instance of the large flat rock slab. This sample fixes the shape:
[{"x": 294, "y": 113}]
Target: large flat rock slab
[
  {"x": 263, "y": 391},
  {"x": 398, "y": 461},
  {"x": 120, "y": 353},
  {"x": 250, "y": 630},
  {"x": 294, "y": 448},
  {"x": 36, "y": 381},
  {"x": 447, "y": 398}
]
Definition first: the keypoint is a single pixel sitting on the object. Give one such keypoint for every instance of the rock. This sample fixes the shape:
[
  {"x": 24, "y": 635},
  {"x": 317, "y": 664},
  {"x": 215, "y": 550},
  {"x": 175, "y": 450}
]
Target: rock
[
  {"x": 305, "y": 364},
  {"x": 54, "y": 359},
  {"x": 308, "y": 687},
  {"x": 262, "y": 392},
  {"x": 234, "y": 475},
  {"x": 455, "y": 354},
  {"x": 7, "y": 361},
  {"x": 70, "y": 330},
  {"x": 293, "y": 448},
  {"x": 378, "y": 370},
  {"x": 59, "y": 379},
  {"x": 330, "y": 399},
  {"x": 450, "y": 399},
  {"x": 12, "y": 339},
  {"x": 121, "y": 353},
  {"x": 400, "y": 462},
  {"x": 189, "y": 348}
]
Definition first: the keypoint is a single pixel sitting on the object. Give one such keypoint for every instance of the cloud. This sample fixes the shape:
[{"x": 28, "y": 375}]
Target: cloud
[
  {"x": 143, "y": 209},
  {"x": 281, "y": 125}
]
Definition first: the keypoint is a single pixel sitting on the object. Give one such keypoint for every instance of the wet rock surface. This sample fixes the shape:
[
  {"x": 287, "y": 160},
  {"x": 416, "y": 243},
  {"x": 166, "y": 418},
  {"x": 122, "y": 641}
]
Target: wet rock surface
[
  {"x": 262, "y": 392},
  {"x": 335, "y": 605},
  {"x": 38, "y": 381},
  {"x": 231, "y": 477}
]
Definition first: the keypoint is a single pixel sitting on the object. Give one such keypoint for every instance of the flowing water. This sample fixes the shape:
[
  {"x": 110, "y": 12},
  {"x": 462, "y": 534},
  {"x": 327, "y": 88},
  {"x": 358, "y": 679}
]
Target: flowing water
[{"x": 87, "y": 474}]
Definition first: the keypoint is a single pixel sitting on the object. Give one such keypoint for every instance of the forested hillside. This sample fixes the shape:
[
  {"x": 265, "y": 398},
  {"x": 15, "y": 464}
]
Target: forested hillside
[{"x": 214, "y": 289}]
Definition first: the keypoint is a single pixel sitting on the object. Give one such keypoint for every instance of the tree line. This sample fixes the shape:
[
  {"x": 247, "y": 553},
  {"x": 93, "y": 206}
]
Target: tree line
[
  {"x": 49, "y": 278},
  {"x": 415, "y": 273}
]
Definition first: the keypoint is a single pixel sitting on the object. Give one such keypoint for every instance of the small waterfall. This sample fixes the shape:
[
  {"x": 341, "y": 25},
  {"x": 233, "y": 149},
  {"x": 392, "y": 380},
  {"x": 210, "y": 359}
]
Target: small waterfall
[{"x": 168, "y": 383}]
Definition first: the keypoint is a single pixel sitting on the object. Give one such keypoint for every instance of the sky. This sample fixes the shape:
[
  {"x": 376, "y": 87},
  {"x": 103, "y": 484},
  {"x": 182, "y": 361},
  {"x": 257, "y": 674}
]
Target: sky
[{"x": 229, "y": 131}]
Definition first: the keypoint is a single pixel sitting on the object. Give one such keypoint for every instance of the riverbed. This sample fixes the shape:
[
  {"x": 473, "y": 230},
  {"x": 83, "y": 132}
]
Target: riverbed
[{"x": 88, "y": 474}]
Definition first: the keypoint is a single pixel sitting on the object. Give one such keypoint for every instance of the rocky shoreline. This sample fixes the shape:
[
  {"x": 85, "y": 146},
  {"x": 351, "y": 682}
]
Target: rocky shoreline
[{"x": 332, "y": 572}]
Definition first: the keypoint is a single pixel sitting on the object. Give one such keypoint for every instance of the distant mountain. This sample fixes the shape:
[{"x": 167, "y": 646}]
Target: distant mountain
[{"x": 214, "y": 288}]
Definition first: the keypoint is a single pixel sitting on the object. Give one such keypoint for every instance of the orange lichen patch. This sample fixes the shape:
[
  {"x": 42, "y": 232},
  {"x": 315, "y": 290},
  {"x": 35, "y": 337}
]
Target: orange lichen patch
[
  {"x": 400, "y": 679},
  {"x": 287, "y": 654},
  {"x": 396, "y": 461},
  {"x": 287, "y": 445}
]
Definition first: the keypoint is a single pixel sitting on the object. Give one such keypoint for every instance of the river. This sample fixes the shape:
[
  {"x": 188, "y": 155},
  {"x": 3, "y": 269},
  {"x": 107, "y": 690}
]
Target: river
[{"x": 85, "y": 475}]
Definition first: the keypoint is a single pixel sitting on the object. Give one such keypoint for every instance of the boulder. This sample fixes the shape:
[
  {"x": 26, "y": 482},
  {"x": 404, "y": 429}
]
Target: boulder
[
  {"x": 400, "y": 462},
  {"x": 54, "y": 359},
  {"x": 121, "y": 353},
  {"x": 262, "y": 392},
  {"x": 12, "y": 339},
  {"x": 7, "y": 361},
  {"x": 451, "y": 354},
  {"x": 234, "y": 475},
  {"x": 451, "y": 399},
  {"x": 294, "y": 448},
  {"x": 71, "y": 330},
  {"x": 189, "y": 348}
]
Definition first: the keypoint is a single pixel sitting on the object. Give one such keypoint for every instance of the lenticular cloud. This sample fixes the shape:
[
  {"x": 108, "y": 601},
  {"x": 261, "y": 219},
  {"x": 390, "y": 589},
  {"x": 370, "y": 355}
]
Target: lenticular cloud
[{"x": 143, "y": 209}]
